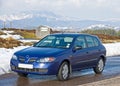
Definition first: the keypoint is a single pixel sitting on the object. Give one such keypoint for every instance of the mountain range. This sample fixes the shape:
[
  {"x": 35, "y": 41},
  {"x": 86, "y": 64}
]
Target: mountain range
[{"x": 33, "y": 20}]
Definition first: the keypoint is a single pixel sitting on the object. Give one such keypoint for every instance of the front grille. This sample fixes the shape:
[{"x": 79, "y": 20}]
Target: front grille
[
  {"x": 30, "y": 70},
  {"x": 29, "y": 60}
]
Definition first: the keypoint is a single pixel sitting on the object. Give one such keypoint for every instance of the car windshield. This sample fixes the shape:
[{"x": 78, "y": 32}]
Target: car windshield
[{"x": 55, "y": 42}]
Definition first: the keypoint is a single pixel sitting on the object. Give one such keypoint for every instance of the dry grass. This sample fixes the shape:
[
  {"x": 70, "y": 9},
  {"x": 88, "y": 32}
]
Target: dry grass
[
  {"x": 28, "y": 43},
  {"x": 28, "y": 34},
  {"x": 107, "y": 38},
  {"x": 9, "y": 43},
  {"x": 1, "y": 33}
]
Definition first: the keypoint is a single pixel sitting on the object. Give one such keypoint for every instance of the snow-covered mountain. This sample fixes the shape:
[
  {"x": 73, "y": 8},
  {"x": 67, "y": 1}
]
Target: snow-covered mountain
[
  {"x": 98, "y": 26},
  {"x": 102, "y": 26},
  {"x": 27, "y": 20},
  {"x": 34, "y": 19}
]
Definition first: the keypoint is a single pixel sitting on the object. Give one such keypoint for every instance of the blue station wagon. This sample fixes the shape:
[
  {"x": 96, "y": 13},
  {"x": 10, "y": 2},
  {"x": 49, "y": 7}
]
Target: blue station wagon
[{"x": 60, "y": 54}]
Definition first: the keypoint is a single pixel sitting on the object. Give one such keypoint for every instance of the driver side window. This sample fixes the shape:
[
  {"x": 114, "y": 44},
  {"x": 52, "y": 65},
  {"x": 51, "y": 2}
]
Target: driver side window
[{"x": 80, "y": 41}]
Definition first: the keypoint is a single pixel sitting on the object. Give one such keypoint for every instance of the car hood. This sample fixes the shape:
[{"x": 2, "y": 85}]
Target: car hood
[{"x": 40, "y": 52}]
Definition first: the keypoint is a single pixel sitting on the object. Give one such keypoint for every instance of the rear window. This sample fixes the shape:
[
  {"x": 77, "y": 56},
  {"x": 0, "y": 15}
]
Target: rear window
[
  {"x": 96, "y": 42},
  {"x": 90, "y": 41}
]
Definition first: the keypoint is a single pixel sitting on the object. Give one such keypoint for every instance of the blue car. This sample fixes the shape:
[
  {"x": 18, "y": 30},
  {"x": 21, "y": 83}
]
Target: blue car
[{"x": 60, "y": 54}]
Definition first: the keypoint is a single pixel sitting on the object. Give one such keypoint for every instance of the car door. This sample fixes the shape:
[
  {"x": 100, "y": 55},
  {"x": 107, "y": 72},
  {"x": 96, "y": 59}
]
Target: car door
[
  {"x": 92, "y": 51},
  {"x": 79, "y": 56}
]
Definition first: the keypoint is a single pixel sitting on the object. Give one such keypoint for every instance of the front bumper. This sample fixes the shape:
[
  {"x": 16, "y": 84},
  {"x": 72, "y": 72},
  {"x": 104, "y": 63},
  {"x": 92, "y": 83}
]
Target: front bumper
[{"x": 49, "y": 68}]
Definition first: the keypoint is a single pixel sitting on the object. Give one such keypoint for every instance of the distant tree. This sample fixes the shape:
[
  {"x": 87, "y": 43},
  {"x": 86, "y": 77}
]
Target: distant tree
[{"x": 108, "y": 31}]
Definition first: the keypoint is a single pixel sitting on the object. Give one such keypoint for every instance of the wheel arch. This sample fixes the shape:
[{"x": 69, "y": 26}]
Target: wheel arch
[
  {"x": 104, "y": 58},
  {"x": 66, "y": 60}
]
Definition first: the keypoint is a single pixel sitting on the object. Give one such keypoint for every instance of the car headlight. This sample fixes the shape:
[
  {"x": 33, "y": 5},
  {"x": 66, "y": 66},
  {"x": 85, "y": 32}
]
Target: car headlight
[
  {"x": 14, "y": 57},
  {"x": 46, "y": 59}
]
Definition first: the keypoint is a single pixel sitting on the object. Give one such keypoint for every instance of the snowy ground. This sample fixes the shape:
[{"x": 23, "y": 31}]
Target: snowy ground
[
  {"x": 9, "y": 34},
  {"x": 6, "y": 54},
  {"x": 28, "y": 40},
  {"x": 112, "y": 49}
]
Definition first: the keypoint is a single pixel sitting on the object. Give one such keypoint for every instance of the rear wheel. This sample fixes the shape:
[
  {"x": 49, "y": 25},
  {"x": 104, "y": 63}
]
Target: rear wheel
[
  {"x": 22, "y": 74},
  {"x": 64, "y": 72},
  {"x": 100, "y": 67}
]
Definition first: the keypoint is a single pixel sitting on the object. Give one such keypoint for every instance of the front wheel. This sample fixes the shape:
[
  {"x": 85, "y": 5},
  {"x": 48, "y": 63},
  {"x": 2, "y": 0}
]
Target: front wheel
[
  {"x": 64, "y": 72},
  {"x": 100, "y": 67},
  {"x": 22, "y": 74}
]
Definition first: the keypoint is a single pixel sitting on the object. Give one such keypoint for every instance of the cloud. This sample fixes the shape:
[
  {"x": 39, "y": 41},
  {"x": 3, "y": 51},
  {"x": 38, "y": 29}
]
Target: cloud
[
  {"x": 14, "y": 17},
  {"x": 83, "y": 9}
]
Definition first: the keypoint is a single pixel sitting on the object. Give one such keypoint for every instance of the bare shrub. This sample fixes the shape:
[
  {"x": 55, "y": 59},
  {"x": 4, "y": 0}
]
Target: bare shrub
[{"x": 9, "y": 43}]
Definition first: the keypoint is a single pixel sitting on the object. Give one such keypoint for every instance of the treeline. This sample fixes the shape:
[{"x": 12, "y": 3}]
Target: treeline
[{"x": 110, "y": 32}]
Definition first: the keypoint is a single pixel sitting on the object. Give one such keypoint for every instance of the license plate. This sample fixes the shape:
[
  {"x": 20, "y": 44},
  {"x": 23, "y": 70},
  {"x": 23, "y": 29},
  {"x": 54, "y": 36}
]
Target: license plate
[{"x": 29, "y": 66}]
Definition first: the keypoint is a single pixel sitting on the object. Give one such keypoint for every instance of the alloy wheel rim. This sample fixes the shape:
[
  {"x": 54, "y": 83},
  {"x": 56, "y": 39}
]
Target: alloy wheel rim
[
  {"x": 101, "y": 65},
  {"x": 65, "y": 71}
]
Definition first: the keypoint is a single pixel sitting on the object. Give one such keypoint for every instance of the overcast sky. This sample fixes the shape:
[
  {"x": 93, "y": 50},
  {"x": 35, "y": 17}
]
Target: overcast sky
[{"x": 82, "y": 9}]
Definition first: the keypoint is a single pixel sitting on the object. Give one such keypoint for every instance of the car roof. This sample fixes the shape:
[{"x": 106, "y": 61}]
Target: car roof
[{"x": 72, "y": 34}]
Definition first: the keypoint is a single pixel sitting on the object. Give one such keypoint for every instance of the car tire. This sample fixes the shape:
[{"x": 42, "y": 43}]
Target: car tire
[
  {"x": 22, "y": 74},
  {"x": 64, "y": 72},
  {"x": 99, "y": 67}
]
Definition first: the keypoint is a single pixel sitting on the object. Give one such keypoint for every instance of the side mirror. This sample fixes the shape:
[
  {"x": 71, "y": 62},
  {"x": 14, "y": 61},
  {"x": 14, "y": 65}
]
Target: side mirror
[{"x": 77, "y": 48}]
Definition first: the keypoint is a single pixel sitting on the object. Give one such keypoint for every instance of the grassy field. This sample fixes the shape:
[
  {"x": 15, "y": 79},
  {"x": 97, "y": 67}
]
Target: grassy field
[
  {"x": 27, "y": 34},
  {"x": 10, "y": 42},
  {"x": 108, "y": 38}
]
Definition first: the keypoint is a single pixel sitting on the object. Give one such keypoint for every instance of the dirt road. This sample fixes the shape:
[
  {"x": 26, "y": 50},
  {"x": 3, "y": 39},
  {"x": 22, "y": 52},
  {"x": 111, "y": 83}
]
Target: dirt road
[{"x": 110, "y": 77}]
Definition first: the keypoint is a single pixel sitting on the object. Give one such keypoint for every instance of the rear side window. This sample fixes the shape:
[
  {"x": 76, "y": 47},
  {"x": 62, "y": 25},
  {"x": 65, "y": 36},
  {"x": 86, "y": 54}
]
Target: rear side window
[
  {"x": 96, "y": 41},
  {"x": 90, "y": 41},
  {"x": 80, "y": 41}
]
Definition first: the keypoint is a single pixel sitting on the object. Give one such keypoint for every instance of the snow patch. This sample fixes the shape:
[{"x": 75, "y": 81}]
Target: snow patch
[
  {"x": 7, "y": 32},
  {"x": 9, "y": 35},
  {"x": 6, "y": 55},
  {"x": 28, "y": 40},
  {"x": 112, "y": 49}
]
